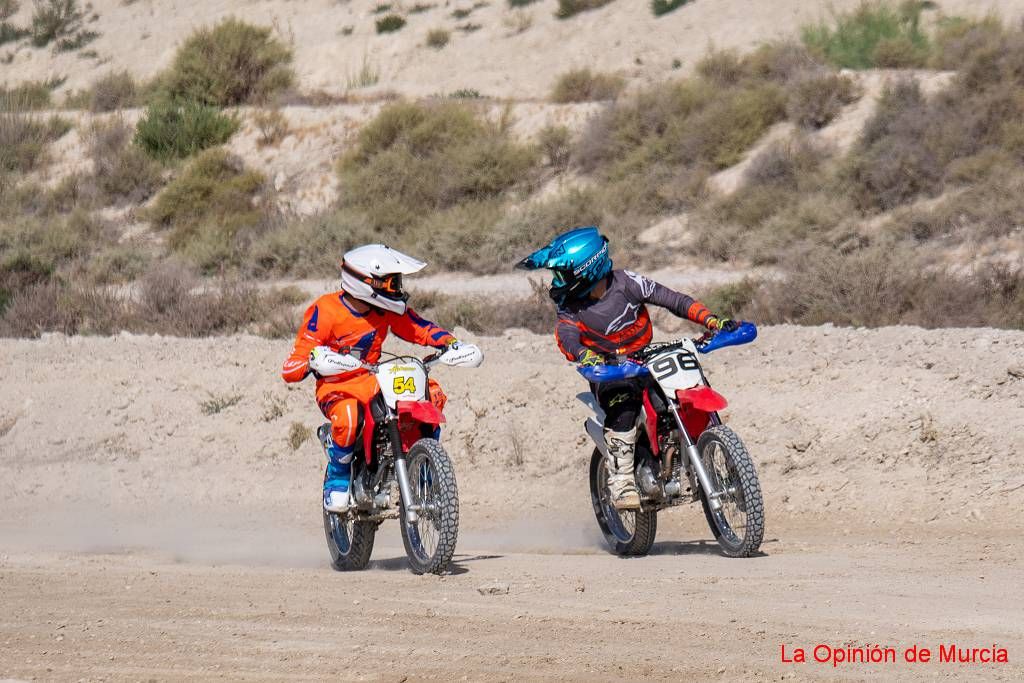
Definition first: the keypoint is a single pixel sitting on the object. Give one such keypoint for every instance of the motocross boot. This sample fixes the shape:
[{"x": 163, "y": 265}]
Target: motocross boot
[
  {"x": 337, "y": 478},
  {"x": 621, "y": 480}
]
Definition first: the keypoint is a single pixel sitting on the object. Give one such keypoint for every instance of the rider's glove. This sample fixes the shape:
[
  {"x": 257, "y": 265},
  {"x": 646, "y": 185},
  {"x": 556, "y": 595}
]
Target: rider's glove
[
  {"x": 323, "y": 362},
  {"x": 588, "y": 358},
  {"x": 716, "y": 324},
  {"x": 452, "y": 344}
]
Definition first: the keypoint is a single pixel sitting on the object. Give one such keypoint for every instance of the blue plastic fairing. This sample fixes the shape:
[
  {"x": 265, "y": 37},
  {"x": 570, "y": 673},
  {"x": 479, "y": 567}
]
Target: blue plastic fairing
[
  {"x": 744, "y": 334},
  {"x": 611, "y": 373}
]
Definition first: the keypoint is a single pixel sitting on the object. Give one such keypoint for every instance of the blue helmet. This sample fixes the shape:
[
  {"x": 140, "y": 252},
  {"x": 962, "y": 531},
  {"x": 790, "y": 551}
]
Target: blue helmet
[{"x": 579, "y": 259}]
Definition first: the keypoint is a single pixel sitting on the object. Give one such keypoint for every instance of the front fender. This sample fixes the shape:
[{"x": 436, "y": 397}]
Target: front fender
[
  {"x": 423, "y": 412},
  {"x": 703, "y": 398}
]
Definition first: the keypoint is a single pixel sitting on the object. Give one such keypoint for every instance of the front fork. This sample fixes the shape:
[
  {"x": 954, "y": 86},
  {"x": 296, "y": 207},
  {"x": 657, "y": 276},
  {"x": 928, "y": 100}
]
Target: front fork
[
  {"x": 696, "y": 463},
  {"x": 402, "y": 472}
]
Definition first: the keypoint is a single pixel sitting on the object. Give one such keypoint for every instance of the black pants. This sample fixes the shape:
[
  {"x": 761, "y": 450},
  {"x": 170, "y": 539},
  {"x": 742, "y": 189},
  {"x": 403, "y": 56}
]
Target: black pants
[{"x": 620, "y": 402}]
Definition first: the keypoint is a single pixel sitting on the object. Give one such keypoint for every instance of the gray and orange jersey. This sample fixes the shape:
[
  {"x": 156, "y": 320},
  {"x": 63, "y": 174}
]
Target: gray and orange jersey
[{"x": 618, "y": 322}]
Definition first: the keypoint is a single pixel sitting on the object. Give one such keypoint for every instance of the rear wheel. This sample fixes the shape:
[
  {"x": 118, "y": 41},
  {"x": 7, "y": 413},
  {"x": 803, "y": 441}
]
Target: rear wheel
[
  {"x": 350, "y": 541},
  {"x": 628, "y": 532},
  {"x": 738, "y": 524},
  {"x": 430, "y": 541}
]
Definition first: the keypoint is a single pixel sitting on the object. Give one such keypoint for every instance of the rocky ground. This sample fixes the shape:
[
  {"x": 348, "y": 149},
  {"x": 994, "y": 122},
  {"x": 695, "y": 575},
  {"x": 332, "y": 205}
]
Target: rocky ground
[{"x": 147, "y": 534}]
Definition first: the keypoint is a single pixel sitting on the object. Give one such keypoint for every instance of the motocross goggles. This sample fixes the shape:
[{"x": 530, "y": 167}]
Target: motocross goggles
[{"x": 389, "y": 285}]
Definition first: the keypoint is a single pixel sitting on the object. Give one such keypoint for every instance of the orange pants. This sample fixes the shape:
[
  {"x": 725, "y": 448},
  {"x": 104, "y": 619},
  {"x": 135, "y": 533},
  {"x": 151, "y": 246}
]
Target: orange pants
[{"x": 341, "y": 403}]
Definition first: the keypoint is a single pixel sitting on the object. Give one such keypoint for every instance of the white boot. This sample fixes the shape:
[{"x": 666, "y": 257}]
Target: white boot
[{"x": 621, "y": 480}]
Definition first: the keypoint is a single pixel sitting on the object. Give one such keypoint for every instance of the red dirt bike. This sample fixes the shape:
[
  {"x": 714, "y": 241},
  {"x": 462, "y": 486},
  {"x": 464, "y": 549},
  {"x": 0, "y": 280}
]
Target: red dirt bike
[
  {"x": 684, "y": 452},
  {"x": 400, "y": 470}
]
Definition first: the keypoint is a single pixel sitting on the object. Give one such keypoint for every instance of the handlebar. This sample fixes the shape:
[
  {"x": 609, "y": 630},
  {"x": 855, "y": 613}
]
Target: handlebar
[{"x": 635, "y": 363}]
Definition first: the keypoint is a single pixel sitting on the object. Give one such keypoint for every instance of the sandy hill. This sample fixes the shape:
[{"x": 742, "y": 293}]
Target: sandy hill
[{"x": 333, "y": 40}]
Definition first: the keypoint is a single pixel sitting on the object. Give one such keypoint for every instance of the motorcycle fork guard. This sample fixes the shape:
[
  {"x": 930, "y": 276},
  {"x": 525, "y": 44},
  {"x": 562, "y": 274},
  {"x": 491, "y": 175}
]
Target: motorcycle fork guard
[{"x": 696, "y": 463}]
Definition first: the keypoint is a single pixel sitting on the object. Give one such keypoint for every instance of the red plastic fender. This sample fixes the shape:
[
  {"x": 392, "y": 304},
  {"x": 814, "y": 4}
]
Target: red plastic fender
[
  {"x": 423, "y": 412},
  {"x": 702, "y": 398}
]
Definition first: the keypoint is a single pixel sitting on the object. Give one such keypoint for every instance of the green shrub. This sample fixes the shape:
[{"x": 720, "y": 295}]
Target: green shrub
[
  {"x": 390, "y": 23},
  {"x": 873, "y": 35},
  {"x": 229, "y": 64},
  {"x": 438, "y": 38},
  {"x": 171, "y": 130},
  {"x": 54, "y": 19},
  {"x": 24, "y": 138},
  {"x": 416, "y": 158},
  {"x": 520, "y": 3},
  {"x": 660, "y": 7},
  {"x": 583, "y": 85},
  {"x": 570, "y": 8},
  {"x": 209, "y": 208},
  {"x": 816, "y": 98},
  {"x": 10, "y": 33}
]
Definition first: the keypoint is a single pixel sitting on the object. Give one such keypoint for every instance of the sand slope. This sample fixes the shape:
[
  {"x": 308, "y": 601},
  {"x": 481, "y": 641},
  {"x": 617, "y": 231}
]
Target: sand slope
[{"x": 623, "y": 36}]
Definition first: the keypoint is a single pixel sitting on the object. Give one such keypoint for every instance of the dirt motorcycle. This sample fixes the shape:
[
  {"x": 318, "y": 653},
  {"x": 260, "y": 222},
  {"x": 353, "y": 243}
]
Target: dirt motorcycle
[
  {"x": 683, "y": 454},
  {"x": 399, "y": 469}
]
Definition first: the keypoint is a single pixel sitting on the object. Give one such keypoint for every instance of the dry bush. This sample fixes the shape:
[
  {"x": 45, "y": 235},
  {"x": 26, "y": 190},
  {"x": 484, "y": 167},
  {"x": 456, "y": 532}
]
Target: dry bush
[
  {"x": 488, "y": 237},
  {"x": 814, "y": 99},
  {"x": 958, "y": 39},
  {"x": 228, "y": 64},
  {"x": 722, "y": 67},
  {"x": 884, "y": 285},
  {"x": 28, "y": 95},
  {"x": 113, "y": 91},
  {"x": 413, "y": 159},
  {"x": 55, "y": 19},
  {"x": 24, "y": 138},
  {"x": 487, "y": 315},
  {"x": 989, "y": 209},
  {"x": 209, "y": 208},
  {"x": 438, "y": 38},
  {"x": 272, "y": 126},
  {"x": 556, "y": 143},
  {"x": 122, "y": 172},
  {"x": 389, "y": 23},
  {"x": 310, "y": 246},
  {"x": 584, "y": 85}
]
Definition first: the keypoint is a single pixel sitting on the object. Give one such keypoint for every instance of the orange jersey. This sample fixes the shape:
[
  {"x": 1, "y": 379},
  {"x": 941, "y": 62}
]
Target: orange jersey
[{"x": 330, "y": 321}]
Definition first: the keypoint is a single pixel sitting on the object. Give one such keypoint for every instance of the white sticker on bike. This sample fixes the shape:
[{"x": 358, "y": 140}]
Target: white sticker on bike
[{"x": 676, "y": 369}]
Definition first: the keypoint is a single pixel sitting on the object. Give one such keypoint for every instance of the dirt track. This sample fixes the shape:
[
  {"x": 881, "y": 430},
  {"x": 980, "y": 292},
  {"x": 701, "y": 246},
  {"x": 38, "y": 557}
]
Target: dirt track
[{"x": 142, "y": 538}]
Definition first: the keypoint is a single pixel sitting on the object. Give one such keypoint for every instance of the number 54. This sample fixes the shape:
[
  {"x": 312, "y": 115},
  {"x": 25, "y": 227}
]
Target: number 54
[{"x": 405, "y": 385}]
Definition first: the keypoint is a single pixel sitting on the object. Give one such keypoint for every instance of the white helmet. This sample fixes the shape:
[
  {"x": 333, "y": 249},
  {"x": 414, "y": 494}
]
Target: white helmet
[{"x": 373, "y": 273}]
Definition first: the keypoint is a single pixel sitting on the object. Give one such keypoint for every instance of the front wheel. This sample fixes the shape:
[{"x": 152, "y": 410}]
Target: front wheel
[
  {"x": 349, "y": 541},
  {"x": 628, "y": 532},
  {"x": 430, "y": 541},
  {"x": 738, "y": 524}
]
